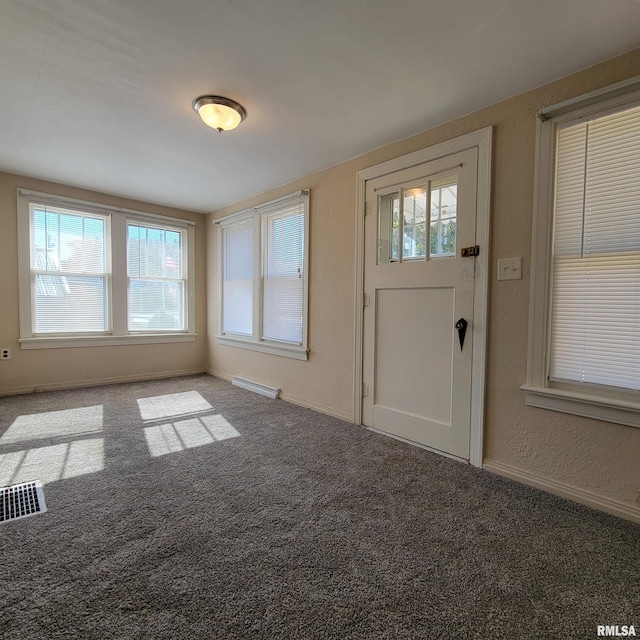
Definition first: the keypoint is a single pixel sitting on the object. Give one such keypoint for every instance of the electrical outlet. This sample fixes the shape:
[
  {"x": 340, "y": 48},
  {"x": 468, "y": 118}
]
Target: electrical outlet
[
  {"x": 510, "y": 268},
  {"x": 5, "y": 353}
]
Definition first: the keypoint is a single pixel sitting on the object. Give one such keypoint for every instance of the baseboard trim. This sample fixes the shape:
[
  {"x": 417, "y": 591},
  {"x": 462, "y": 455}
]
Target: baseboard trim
[
  {"x": 588, "y": 498},
  {"x": 98, "y": 382},
  {"x": 300, "y": 402},
  {"x": 320, "y": 408}
]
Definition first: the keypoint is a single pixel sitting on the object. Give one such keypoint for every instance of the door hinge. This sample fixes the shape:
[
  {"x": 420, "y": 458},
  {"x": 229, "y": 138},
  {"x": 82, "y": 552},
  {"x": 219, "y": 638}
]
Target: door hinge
[
  {"x": 367, "y": 207},
  {"x": 364, "y": 390},
  {"x": 366, "y": 299},
  {"x": 468, "y": 252}
]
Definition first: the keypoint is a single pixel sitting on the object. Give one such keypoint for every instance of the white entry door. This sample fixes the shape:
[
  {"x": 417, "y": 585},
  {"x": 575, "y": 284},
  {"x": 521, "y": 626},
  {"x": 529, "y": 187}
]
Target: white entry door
[{"x": 419, "y": 302}]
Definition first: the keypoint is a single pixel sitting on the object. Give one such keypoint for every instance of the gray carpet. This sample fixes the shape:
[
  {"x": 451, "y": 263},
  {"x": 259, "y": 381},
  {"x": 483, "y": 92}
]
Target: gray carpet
[{"x": 253, "y": 518}]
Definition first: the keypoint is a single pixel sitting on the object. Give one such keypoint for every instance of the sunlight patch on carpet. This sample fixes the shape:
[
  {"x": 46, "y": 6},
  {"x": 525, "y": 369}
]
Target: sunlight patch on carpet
[
  {"x": 187, "y": 434},
  {"x": 172, "y": 405},
  {"x": 54, "y": 462},
  {"x": 54, "y": 424},
  {"x": 21, "y": 501}
]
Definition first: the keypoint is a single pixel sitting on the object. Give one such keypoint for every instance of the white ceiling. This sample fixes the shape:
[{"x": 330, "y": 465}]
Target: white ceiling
[{"x": 98, "y": 93}]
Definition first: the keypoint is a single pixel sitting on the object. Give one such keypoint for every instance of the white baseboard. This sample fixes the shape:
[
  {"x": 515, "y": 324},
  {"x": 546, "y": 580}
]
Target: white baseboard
[
  {"x": 588, "y": 498},
  {"x": 97, "y": 382},
  {"x": 301, "y": 402},
  {"x": 317, "y": 407}
]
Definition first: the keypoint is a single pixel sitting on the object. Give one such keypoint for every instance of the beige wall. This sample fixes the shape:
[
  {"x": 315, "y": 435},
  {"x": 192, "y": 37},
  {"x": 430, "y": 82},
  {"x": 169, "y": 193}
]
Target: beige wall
[
  {"x": 52, "y": 368},
  {"x": 595, "y": 457}
]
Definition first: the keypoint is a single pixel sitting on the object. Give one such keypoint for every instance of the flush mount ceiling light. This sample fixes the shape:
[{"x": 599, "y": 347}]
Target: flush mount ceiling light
[{"x": 219, "y": 113}]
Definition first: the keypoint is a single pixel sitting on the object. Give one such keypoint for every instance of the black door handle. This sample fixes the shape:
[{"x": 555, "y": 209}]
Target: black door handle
[{"x": 461, "y": 326}]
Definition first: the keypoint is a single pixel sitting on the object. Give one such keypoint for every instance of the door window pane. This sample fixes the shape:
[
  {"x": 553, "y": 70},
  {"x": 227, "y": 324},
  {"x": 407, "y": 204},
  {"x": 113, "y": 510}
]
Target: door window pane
[
  {"x": 414, "y": 229},
  {"x": 410, "y": 225},
  {"x": 444, "y": 198},
  {"x": 388, "y": 228}
]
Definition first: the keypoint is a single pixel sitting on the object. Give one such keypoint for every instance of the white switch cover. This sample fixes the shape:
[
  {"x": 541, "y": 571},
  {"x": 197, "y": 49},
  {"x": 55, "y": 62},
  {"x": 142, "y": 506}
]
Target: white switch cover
[{"x": 510, "y": 268}]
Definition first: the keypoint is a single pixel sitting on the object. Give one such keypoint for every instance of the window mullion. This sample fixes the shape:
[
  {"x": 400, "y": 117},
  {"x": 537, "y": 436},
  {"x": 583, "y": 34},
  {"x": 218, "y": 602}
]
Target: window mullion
[
  {"x": 258, "y": 281},
  {"x": 119, "y": 302}
]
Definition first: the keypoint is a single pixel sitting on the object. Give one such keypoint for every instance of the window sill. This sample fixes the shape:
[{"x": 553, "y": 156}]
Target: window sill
[
  {"x": 66, "y": 342},
  {"x": 588, "y": 406},
  {"x": 276, "y": 349}
]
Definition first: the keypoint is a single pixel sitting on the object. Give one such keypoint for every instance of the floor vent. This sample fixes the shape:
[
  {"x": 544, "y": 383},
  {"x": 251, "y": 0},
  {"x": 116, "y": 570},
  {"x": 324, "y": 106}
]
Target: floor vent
[
  {"x": 21, "y": 501},
  {"x": 256, "y": 387}
]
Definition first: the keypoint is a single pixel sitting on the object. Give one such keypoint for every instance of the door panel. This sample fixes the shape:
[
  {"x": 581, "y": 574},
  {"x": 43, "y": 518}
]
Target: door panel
[
  {"x": 419, "y": 286},
  {"x": 397, "y": 387}
]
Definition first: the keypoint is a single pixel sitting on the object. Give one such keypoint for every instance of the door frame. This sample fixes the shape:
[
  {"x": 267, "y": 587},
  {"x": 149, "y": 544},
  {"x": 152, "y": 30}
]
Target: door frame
[{"x": 482, "y": 140}]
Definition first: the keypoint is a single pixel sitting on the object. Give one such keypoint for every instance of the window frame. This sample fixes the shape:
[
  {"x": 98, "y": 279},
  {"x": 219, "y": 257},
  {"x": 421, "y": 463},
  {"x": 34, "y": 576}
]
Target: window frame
[
  {"x": 610, "y": 405},
  {"x": 184, "y": 279},
  {"x": 255, "y": 342},
  {"x": 117, "y": 278}
]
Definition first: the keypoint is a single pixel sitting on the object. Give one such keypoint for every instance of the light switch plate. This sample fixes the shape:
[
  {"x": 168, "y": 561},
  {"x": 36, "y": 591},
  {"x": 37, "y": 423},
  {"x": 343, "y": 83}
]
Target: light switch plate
[{"x": 510, "y": 268}]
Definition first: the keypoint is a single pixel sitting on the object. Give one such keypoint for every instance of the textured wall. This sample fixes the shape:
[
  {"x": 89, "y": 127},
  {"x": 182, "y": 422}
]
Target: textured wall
[
  {"x": 594, "y": 456},
  {"x": 29, "y": 369},
  {"x": 325, "y": 381}
]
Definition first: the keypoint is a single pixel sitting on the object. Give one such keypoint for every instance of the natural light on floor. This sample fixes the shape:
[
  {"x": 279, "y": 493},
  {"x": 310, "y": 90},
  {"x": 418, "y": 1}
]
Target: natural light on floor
[
  {"x": 173, "y": 423},
  {"x": 56, "y": 462},
  {"x": 68, "y": 459},
  {"x": 186, "y": 433},
  {"x": 55, "y": 424},
  {"x": 172, "y": 405}
]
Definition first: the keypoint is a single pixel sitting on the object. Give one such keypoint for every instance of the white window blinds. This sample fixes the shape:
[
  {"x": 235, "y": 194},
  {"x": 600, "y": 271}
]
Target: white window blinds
[
  {"x": 595, "y": 318},
  {"x": 69, "y": 271},
  {"x": 283, "y": 273},
  {"x": 237, "y": 274},
  {"x": 157, "y": 282},
  {"x": 263, "y": 266}
]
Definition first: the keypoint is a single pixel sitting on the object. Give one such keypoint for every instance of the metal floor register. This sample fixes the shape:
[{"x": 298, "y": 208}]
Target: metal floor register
[{"x": 21, "y": 501}]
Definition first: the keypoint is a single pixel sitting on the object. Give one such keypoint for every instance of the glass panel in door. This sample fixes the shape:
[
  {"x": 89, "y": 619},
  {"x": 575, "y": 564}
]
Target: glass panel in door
[
  {"x": 402, "y": 235},
  {"x": 442, "y": 232}
]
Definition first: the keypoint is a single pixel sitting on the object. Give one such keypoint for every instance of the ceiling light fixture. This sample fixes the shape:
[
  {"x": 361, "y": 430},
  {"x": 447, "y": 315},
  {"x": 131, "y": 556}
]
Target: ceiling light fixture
[{"x": 219, "y": 113}]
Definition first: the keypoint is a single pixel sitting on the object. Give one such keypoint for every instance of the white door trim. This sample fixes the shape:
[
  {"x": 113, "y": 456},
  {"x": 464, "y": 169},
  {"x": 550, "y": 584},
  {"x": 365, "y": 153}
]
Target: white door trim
[{"x": 482, "y": 139}]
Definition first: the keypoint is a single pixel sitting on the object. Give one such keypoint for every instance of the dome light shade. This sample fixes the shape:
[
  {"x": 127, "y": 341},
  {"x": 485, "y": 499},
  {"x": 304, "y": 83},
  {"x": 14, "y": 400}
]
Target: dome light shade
[{"x": 219, "y": 113}]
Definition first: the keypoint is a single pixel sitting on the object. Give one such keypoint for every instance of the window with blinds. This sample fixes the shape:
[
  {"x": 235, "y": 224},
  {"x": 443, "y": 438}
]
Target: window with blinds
[
  {"x": 69, "y": 271},
  {"x": 238, "y": 274},
  {"x": 283, "y": 274},
  {"x": 156, "y": 274},
  {"x": 93, "y": 274},
  {"x": 263, "y": 260},
  {"x": 595, "y": 297}
]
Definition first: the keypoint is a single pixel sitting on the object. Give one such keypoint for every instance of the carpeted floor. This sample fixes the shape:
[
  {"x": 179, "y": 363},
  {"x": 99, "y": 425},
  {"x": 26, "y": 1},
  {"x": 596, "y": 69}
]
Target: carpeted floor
[{"x": 188, "y": 508}]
